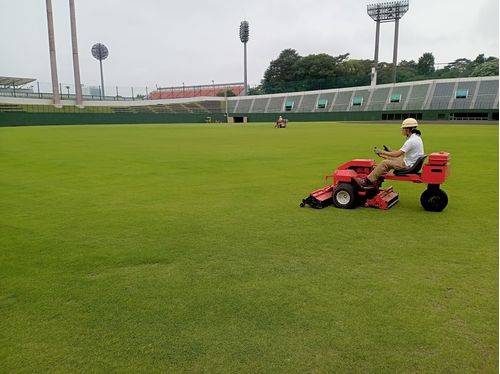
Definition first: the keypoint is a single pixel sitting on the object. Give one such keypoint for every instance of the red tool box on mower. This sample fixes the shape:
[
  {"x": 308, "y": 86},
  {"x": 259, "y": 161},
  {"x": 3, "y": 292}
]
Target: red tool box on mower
[
  {"x": 437, "y": 168},
  {"x": 439, "y": 158}
]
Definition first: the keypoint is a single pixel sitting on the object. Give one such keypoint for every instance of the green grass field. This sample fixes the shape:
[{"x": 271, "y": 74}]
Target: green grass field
[{"x": 182, "y": 248}]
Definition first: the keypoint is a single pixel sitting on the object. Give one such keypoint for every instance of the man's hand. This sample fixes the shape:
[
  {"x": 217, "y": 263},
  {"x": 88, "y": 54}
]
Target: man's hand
[{"x": 378, "y": 151}]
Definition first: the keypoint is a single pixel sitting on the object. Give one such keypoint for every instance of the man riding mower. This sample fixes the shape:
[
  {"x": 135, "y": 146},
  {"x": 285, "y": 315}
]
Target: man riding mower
[
  {"x": 281, "y": 123},
  {"x": 358, "y": 182}
]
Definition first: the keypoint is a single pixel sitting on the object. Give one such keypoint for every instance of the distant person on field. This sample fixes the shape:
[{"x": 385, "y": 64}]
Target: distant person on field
[
  {"x": 404, "y": 158},
  {"x": 280, "y": 122}
]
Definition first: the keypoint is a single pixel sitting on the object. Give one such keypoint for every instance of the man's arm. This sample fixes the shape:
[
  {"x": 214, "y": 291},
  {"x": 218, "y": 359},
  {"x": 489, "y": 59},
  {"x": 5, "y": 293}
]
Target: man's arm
[{"x": 385, "y": 154}]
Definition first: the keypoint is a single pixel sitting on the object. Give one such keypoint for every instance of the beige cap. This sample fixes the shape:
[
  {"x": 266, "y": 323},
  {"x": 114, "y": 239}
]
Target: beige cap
[{"x": 409, "y": 122}]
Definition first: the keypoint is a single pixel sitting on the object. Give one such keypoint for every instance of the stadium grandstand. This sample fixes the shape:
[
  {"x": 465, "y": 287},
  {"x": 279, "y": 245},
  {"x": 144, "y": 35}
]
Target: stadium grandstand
[
  {"x": 391, "y": 101},
  {"x": 458, "y": 99},
  {"x": 197, "y": 91}
]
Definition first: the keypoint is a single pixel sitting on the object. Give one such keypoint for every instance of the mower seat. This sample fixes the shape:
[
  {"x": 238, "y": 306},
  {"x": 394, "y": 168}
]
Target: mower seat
[{"x": 414, "y": 169}]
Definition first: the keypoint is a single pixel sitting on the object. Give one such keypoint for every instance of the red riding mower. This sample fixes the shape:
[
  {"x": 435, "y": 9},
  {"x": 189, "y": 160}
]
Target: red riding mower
[
  {"x": 281, "y": 124},
  {"x": 347, "y": 190}
]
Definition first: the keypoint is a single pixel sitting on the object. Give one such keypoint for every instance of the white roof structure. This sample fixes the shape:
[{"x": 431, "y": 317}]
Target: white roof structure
[{"x": 15, "y": 82}]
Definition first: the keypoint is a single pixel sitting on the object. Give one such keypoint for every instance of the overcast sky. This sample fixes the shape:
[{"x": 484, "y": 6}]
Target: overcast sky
[{"x": 168, "y": 42}]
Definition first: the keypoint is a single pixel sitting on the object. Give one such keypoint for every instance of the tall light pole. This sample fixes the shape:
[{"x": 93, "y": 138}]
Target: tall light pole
[
  {"x": 375, "y": 58},
  {"x": 244, "y": 36},
  {"x": 100, "y": 52},
  {"x": 76, "y": 64},
  {"x": 56, "y": 96},
  {"x": 227, "y": 107},
  {"x": 387, "y": 12}
]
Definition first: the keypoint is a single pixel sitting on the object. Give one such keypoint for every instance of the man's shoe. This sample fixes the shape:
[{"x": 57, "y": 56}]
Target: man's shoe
[{"x": 365, "y": 182}]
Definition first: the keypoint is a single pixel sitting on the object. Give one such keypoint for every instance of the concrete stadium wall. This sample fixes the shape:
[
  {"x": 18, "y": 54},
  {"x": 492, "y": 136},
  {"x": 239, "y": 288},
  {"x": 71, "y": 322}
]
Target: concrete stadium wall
[
  {"x": 33, "y": 119},
  {"x": 426, "y": 115}
]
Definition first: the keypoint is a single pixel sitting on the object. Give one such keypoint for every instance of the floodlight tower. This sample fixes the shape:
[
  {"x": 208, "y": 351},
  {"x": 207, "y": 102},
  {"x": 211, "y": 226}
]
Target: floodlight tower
[
  {"x": 100, "y": 52},
  {"x": 56, "y": 96},
  {"x": 76, "y": 64},
  {"x": 387, "y": 12},
  {"x": 244, "y": 36}
]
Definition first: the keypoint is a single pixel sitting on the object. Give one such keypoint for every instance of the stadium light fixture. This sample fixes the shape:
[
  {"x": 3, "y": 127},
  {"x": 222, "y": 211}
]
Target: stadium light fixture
[
  {"x": 244, "y": 37},
  {"x": 387, "y": 12},
  {"x": 100, "y": 52}
]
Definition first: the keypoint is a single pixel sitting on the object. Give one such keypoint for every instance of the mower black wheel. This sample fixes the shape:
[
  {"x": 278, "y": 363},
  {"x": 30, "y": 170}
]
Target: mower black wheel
[
  {"x": 344, "y": 196},
  {"x": 434, "y": 199}
]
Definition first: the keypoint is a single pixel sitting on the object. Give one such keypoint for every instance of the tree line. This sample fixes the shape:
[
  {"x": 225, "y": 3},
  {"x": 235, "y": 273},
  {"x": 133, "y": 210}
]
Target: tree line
[{"x": 291, "y": 72}]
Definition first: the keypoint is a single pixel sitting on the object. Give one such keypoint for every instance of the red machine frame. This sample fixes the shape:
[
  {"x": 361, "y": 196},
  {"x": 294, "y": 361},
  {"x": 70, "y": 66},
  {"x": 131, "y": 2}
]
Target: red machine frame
[{"x": 347, "y": 189}]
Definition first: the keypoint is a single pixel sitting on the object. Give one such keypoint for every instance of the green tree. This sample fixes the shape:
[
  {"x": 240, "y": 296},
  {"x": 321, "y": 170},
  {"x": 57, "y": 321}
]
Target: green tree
[
  {"x": 425, "y": 65},
  {"x": 384, "y": 73},
  {"x": 461, "y": 65},
  {"x": 354, "y": 67},
  {"x": 290, "y": 72},
  {"x": 228, "y": 92},
  {"x": 257, "y": 90},
  {"x": 488, "y": 68},
  {"x": 280, "y": 71},
  {"x": 314, "y": 71},
  {"x": 480, "y": 59},
  {"x": 353, "y": 73},
  {"x": 321, "y": 66}
]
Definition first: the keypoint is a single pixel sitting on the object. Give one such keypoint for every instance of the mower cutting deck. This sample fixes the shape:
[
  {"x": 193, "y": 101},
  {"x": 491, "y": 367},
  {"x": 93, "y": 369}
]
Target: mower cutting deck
[{"x": 347, "y": 190}]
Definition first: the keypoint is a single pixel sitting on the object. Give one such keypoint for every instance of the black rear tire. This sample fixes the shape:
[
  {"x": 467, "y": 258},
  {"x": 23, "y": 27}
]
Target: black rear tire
[
  {"x": 344, "y": 196},
  {"x": 434, "y": 199}
]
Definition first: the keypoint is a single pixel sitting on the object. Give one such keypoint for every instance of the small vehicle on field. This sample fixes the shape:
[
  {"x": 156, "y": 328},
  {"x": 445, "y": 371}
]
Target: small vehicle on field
[
  {"x": 347, "y": 190},
  {"x": 281, "y": 123}
]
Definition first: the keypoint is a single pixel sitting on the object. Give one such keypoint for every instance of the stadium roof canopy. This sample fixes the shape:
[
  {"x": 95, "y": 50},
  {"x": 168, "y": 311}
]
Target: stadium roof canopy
[{"x": 13, "y": 81}]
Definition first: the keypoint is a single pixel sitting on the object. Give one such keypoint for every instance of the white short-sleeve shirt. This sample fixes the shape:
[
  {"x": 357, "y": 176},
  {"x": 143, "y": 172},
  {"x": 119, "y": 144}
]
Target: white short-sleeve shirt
[{"x": 413, "y": 149}]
